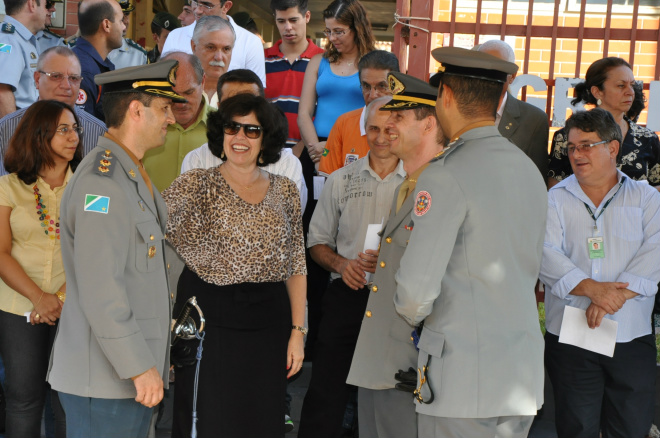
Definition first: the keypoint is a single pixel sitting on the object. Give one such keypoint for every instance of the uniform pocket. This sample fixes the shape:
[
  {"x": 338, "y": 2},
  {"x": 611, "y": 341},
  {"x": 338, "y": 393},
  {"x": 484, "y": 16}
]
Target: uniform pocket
[
  {"x": 627, "y": 223},
  {"x": 148, "y": 244}
]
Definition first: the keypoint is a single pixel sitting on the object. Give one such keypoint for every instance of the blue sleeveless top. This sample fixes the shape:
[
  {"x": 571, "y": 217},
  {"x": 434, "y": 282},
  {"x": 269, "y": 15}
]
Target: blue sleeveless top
[{"x": 336, "y": 95}]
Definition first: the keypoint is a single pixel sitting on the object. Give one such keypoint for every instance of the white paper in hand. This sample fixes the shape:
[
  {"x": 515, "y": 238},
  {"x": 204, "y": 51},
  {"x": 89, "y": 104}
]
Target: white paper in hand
[
  {"x": 575, "y": 331},
  {"x": 372, "y": 239}
]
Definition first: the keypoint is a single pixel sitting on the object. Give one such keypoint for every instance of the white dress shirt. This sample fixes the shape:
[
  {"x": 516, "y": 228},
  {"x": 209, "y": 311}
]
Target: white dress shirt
[
  {"x": 288, "y": 165},
  {"x": 630, "y": 228},
  {"x": 248, "y": 51}
]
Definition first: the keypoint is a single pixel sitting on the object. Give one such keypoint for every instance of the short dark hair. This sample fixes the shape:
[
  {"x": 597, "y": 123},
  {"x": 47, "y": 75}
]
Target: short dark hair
[
  {"x": 599, "y": 121},
  {"x": 90, "y": 17},
  {"x": 115, "y": 106},
  {"x": 474, "y": 97},
  {"x": 379, "y": 60},
  {"x": 273, "y": 122},
  {"x": 29, "y": 148},
  {"x": 241, "y": 76},
  {"x": 283, "y": 5},
  {"x": 13, "y": 7}
]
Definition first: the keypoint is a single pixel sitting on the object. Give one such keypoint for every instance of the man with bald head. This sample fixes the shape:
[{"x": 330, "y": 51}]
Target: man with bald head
[
  {"x": 213, "y": 43},
  {"x": 101, "y": 27},
  {"x": 57, "y": 78},
  {"x": 523, "y": 124},
  {"x": 189, "y": 132}
]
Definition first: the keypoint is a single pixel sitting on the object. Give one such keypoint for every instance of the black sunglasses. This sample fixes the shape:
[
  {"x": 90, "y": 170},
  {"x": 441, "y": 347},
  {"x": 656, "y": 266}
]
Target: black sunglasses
[{"x": 251, "y": 131}]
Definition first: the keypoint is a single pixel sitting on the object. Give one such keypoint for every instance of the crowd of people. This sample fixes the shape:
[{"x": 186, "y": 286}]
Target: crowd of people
[{"x": 318, "y": 205}]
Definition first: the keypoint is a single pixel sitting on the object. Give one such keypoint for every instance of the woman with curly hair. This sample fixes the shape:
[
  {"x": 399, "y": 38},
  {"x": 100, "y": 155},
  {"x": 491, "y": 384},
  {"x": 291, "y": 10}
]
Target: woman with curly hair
[
  {"x": 44, "y": 151},
  {"x": 238, "y": 228},
  {"x": 609, "y": 84}
]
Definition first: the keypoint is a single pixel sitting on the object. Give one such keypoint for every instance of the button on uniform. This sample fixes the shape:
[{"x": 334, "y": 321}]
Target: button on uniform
[
  {"x": 368, "y": 313},
  {"x": 388, "y": 240},
  {"x": 382, "y": 264},
  {"x": 374, "y": 288}
]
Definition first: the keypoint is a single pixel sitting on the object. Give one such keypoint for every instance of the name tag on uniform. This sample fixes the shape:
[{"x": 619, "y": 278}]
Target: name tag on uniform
[
  {"x": 596, "y": 249},
  {"x": 351, "y": 158}
]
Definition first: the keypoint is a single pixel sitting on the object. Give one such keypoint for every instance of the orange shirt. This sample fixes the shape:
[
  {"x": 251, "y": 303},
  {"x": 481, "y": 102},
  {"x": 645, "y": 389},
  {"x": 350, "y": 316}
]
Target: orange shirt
[{"x": 346, "y": 143}]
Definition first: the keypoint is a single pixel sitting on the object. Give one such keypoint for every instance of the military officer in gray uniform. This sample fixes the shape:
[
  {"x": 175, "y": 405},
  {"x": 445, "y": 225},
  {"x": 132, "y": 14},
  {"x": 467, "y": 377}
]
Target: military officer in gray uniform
[
  {"x": 472, "y": 262},
  {"x": 110, "y": 359},
  {"x": 19, "y": 53},
  {"x": 130, "y": 54},
  {"x": 45, "y": 38},
  {"x": 384, "y": 345}
]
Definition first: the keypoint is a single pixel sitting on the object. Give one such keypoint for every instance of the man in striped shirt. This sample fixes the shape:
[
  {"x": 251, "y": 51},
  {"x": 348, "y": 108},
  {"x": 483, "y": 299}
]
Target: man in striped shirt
[
  {"x": 287, "y": 61},
  {"x": 58, "y": 78},
  {"x": 600, "y": 255}
]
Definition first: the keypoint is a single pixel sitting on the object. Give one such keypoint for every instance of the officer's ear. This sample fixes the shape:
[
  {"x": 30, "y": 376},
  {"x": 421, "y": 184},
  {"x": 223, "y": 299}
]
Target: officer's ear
[{"x": 135, "y": 110}]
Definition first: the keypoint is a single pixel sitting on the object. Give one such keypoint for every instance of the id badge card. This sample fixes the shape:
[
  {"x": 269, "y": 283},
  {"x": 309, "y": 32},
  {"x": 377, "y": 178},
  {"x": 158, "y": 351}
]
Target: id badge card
[{"x": 596, "y": 249}]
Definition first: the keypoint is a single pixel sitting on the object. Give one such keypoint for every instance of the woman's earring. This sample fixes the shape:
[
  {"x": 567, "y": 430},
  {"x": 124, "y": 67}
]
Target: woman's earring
[
  {"x": 261, "y": 157},
  {"x": 599, "y": 102},
  {"x": 223, "y": 157}
]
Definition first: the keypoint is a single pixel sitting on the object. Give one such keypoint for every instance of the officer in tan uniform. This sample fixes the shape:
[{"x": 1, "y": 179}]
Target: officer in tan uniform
[
  {"x": 110, "y": 359},
  {"x": 384, "y": 345}
]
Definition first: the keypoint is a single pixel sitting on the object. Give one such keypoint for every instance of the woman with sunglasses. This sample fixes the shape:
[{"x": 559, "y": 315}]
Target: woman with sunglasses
[
  {"x": 609, "y": 84},
  {"x": 238, "y": 228},
  {"x": 40, "y": 159}
]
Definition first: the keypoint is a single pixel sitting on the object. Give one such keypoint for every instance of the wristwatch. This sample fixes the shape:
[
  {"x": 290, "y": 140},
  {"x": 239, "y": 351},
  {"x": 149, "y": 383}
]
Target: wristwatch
[{"x": 301, "y": 329}]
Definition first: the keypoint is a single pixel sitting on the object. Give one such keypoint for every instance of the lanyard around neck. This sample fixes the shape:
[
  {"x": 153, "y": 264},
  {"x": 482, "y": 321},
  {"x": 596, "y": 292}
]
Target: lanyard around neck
[{"x": 595, "y": 218}]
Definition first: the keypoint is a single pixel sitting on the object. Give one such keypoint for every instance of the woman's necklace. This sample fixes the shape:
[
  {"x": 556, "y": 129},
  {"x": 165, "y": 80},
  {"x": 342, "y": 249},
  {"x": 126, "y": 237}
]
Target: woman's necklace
[
  {"x": 46, "y": 222},
  {"x": 248, "y": 187}
]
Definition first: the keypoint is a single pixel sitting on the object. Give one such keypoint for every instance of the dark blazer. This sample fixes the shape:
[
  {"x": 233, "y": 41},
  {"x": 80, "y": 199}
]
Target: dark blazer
[{"x": 527, "y": 127}]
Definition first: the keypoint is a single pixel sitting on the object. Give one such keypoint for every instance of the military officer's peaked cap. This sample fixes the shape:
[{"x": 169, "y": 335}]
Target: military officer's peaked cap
[
  {"x": 155, "y": 79},
  {"x": 126, "y": 6},
  {"x": 409, "y": 92},
  {"x": 166, "y": 21},
  {"x": 473, "y": 64}
]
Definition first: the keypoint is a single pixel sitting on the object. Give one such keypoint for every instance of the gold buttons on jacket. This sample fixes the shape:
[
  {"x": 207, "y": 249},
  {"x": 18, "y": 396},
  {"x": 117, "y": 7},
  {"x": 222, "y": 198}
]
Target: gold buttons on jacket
[
  {"x": 151, "y": 237},
  {"x": 152, "y": 252},
  {"x": 382, "y": 264},
  {"x": 388, "y": 240},
  {"x": 368, "y": 313},
  {"x": 374, "y": 288}
]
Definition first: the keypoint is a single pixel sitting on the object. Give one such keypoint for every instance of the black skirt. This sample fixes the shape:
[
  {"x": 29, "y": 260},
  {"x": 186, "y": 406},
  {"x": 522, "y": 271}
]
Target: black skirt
[{"x": 242, "y": 378}]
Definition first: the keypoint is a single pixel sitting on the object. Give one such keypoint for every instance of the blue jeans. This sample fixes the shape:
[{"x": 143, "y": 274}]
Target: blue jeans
[
  {"x": 105, "y": 418},
  {"x": 25, "y": 351}
]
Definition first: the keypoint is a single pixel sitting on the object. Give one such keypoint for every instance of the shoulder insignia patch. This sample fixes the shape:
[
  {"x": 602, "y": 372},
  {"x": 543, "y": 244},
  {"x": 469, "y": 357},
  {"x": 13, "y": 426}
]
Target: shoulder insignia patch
[
  {"x": 72, "y": 41},
  {"x": 8, "y": 28},
  {"x": 5, "y": 48},
  {"x": 135, "y": 45},
  {"x": 82, "y": 97},
  {"x": 97, "y": 204},
  {"x": 422, "y": 203},
  {"x": 104, "y": 163}
]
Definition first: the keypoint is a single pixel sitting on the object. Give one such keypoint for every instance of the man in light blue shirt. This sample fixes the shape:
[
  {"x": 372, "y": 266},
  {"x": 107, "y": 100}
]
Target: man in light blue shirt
[
  {"x": 600, "y": 254},
  {"x": 19, "y": 53}
]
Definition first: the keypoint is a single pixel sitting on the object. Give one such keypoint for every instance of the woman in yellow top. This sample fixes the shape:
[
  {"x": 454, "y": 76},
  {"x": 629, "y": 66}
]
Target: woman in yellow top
[{"x": 41, "y": 156}]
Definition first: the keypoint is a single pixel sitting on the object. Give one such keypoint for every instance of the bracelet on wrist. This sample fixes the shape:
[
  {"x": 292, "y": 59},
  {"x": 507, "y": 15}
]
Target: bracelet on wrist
[{"x": 301, "y": 329}]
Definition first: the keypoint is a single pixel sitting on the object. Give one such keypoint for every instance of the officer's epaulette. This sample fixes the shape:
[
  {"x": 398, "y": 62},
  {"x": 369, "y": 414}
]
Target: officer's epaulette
[
  {"x": 449, "y": 149},
  {"x": 104, "y": 163},
  {"x": 71, "y": 42},
  {"x": 8, "y": 28},
  {"x": 135, "y": 45}
]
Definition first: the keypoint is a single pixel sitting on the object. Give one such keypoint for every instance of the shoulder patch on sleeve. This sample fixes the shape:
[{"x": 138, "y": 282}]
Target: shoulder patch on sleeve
[
  {"x": 104, "y": 163},
  {"x": 97, "y": 204},
  {"x": 8, "y": 28},
  {"x": 5, "y": 48},
  {"x": 422, "y": 203},
  {"x": 82, "y": 97},
  {"x": 135, "y": 45}
]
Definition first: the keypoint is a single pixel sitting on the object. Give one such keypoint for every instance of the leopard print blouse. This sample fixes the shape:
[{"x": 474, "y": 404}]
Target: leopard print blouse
[{"x": 226, "y": 240}]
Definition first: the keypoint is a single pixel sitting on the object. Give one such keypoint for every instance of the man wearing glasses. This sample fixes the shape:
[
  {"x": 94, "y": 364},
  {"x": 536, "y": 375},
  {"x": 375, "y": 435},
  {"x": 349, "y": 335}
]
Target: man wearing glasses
[
  {"x": 600, "y": 255},
  {"x": 347, "y": 141},
  {"x": 19, "y": 53},
  {"x": 57, "y": 78},
  {"x": 248, "y": 50}
]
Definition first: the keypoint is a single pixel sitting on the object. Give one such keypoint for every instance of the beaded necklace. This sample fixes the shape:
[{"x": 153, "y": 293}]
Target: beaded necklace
[{"x": 46, "y": 222}]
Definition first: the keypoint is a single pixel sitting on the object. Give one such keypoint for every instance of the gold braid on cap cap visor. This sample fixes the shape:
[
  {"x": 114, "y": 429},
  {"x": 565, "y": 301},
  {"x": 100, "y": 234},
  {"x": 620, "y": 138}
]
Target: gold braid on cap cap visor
[
  {"x": 151, "y": 84},
  {"x": 160, "y": 92},
  {"x": 414, "y": 99}
]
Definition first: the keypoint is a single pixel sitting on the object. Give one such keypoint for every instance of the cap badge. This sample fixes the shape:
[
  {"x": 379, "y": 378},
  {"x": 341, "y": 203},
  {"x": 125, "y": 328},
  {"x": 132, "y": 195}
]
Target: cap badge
[{"x": 396, "y": 85}]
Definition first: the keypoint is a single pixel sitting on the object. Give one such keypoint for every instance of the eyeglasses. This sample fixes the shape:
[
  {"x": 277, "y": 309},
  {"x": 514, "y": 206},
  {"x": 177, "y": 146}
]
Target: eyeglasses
[
  {"x": 207, "y": 5},
  {"x": 251, "y": 131},
  {"x": 381, "y": 88},
  {"x": 584, "y": 147},
  {"x": 58, "y": 77},
  {"x": 337, "y": 33},
  {"x": 66, "y": 130}
]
